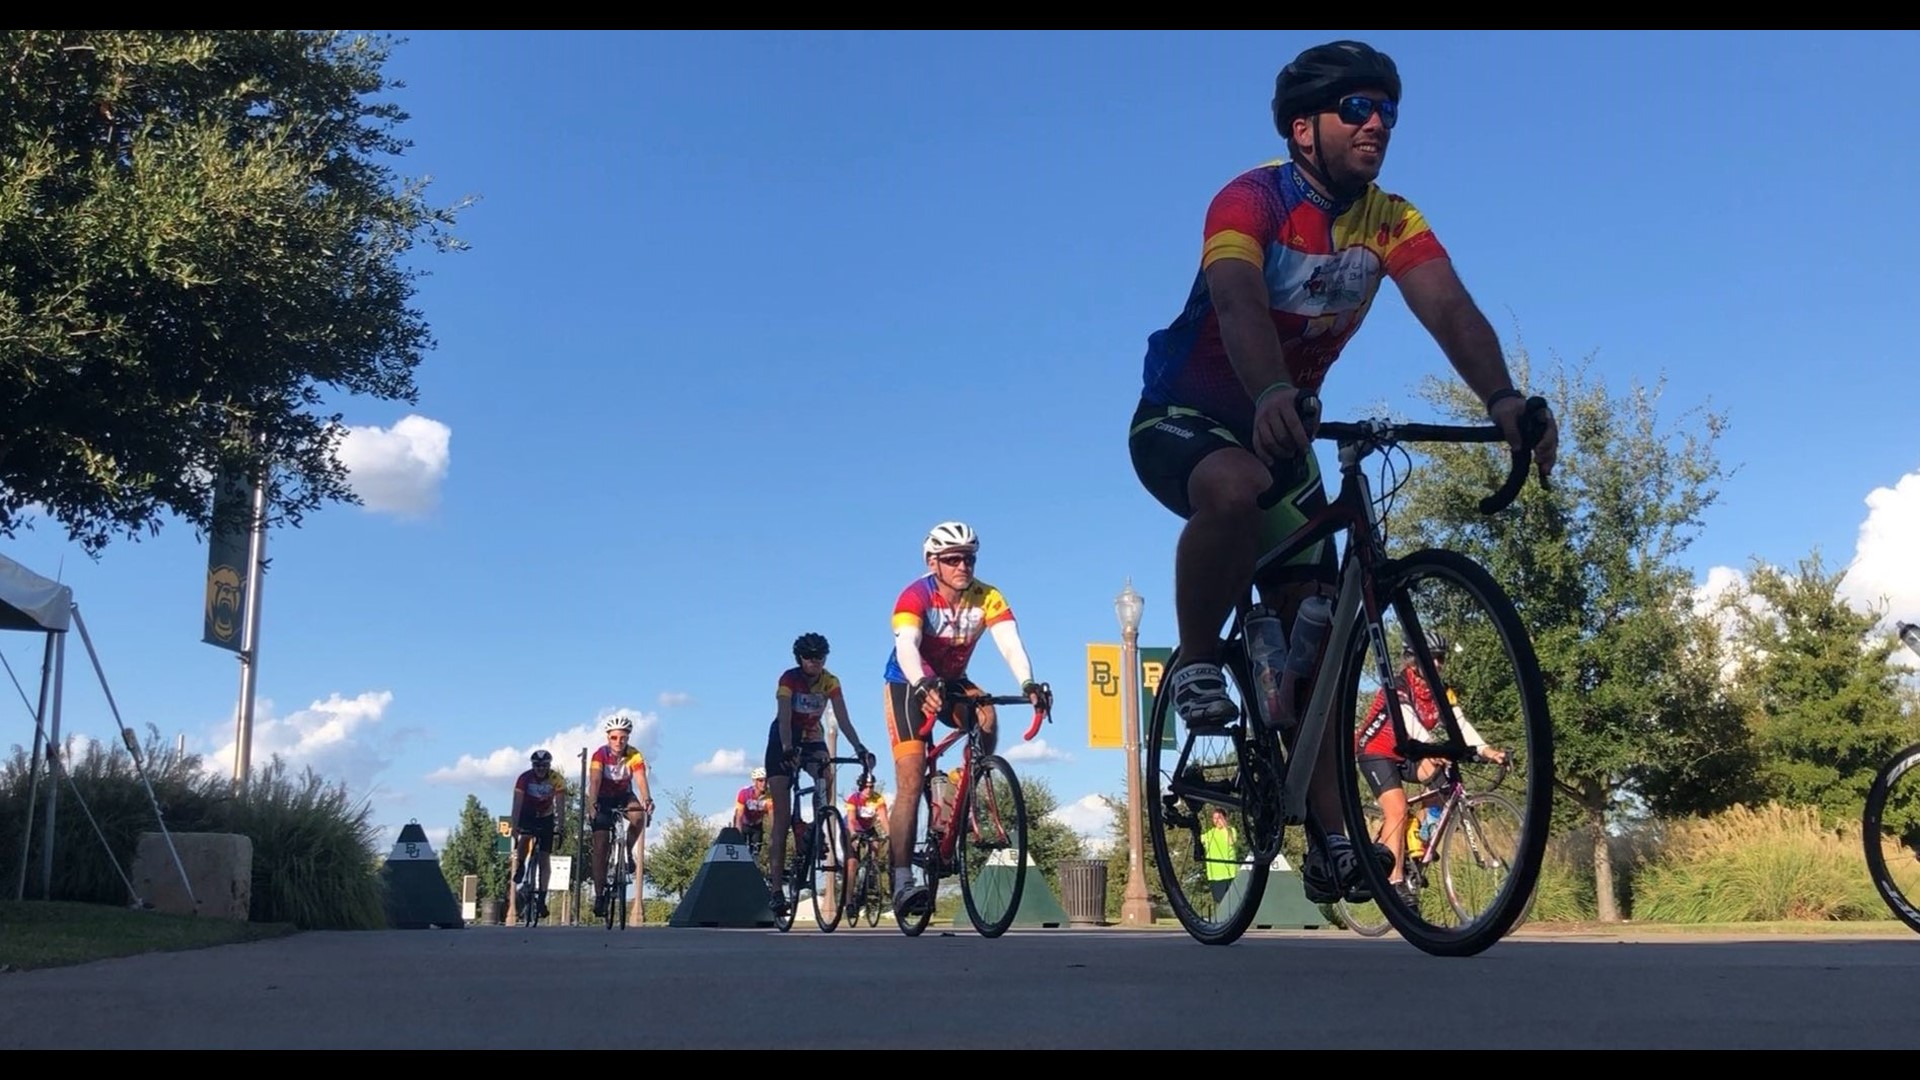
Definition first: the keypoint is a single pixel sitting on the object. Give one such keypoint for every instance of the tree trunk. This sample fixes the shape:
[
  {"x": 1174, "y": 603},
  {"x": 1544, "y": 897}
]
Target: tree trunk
[{"x": 1596, "y": 806}]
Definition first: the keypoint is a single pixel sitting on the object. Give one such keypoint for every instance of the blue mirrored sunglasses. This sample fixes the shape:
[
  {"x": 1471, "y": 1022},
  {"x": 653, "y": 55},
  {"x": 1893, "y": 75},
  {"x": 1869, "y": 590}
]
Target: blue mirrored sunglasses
[{"x": 1356, "y": 109}]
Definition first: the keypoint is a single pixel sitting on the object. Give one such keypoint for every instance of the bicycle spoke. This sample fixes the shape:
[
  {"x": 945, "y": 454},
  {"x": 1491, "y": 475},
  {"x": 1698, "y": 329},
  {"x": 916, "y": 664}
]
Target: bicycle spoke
[{"x": 993, "y": 847}]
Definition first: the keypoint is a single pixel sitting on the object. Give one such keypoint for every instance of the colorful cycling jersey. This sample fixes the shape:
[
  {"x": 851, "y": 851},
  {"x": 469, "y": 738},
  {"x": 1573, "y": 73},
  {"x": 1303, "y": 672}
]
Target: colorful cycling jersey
[
  {"x": 1376, "y": 739},
  {"x": 810, "y": 699},
  {"x": 536, "y": 795},
  {"x": 863, "y": 810},
  {"x": 1323, "y": 263},
  {"x": 753, "y": 805},
  {"x": 616, "y": 772},
  {"x": 948, "y": 632}
]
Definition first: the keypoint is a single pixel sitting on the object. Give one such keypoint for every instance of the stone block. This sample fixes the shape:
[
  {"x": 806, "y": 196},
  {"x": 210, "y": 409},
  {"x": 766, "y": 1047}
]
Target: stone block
[{"x": 220, "y": 866}]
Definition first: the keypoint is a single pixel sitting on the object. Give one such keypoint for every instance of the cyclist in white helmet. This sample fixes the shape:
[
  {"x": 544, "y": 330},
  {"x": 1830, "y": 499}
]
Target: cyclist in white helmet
[
  {"x": 937, "y": 621},
  {"x": 616, "y": 782}
]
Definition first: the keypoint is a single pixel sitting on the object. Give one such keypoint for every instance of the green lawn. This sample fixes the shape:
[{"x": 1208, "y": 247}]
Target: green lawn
[{"x": 40, "y": 934}]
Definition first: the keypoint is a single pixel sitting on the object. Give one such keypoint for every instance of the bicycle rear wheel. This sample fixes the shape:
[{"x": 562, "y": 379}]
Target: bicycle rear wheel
[
  {"x": 1190, "y": 776},
  {"x": 1890, "y": 831},
  {"x": 829, "y": 859},
  {"x": 1493, "y": 681},
  {"x": 992, "y": 845}
]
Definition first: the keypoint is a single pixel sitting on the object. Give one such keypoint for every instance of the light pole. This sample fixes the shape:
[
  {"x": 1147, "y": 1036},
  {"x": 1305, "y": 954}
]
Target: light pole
[{"x": 1135, "y": 909}]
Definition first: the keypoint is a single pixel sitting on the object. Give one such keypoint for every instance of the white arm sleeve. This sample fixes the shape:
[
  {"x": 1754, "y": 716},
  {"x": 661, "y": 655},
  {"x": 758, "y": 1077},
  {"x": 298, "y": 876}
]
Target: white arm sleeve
[
  {"x": 906, "y": 644},
  {"x": 1007, "y": 637}
]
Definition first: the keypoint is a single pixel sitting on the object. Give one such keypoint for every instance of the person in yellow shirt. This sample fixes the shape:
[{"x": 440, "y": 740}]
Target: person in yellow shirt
[
  {"x": 1223, "y": 858},
  {"x": 866, "y": 816}
]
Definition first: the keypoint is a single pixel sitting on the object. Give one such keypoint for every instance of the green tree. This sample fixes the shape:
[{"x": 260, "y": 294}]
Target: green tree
[
  {"x": 1049, "y": 839},
  {"x": 1593, "y": 566},
  {"x": 1819, "y": 696},
  {"x": 198, "y": 234},
  {"x": 470, "y": 849},
  {"x": 675, "y": 861}
]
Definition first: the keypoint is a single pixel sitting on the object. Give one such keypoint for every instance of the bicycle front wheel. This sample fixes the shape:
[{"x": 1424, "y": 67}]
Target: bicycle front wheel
[
  {"x": 1890, "y": 829},
  {"x": 925, "y": 858},
  {"x": 993, "y": 846},
  {"x": 1491, "y": 680},
  {"x": 1213, "y": 804},
  {"x": 829, "y": 868}
]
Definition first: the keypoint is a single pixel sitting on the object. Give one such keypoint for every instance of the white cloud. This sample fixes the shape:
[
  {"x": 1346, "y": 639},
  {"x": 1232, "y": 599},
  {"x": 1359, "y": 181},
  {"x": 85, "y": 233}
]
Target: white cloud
[
  {"x": 1037, "y": 750},
  {"x": 718, "y": 820},
  {"x": 723, "y": 763},
  {"x": 1886, "y": 561},
  {"x": 674, "y": 698},
  {"x": 507, "y": 762},
  {"x": 1091, "y": 818},
  {"x": 339, "y": 738},
  {"x": 397, "y": 469}
]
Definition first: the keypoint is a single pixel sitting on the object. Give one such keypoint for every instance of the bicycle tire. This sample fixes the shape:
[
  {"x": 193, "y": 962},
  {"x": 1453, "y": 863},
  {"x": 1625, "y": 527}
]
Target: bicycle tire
[
  {"x": 1257, "y": 797},
  {"x": 1469, "y": 808},
  {"x": 1393, "y": 580},
  {"x": 967, "y": 806},
  {"x": 828, "y": 850},
  {"x": 1872, "y": 828},
  {"x": 1355, "y": 917},
  {"x": 925, "y": 853},
  {"x": 878, "y": 884}
]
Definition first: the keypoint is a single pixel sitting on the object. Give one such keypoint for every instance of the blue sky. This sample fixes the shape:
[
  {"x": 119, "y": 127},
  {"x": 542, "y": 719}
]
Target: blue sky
[{"x": 746, "y": 314}]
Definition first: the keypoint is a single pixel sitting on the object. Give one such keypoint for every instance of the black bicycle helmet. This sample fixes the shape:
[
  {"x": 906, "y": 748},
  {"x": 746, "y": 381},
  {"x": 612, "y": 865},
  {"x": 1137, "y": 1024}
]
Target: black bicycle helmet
[
  {"x": 1324, "y": 74},
  {"x": 809, "y": 646},
  {"x": 1437, "y": 646},
  {"x": 542, "y": 757}
]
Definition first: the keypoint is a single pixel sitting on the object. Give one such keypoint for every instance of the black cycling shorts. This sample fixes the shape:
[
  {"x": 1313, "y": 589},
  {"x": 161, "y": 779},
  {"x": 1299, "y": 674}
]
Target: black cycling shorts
[
  {"x": 541, "y": 829},
  {"x": 1386, "y": 772},
  {"x": 813, "y": 755},
  {"x": 605, "y": 807},
  {"x": 1168, "y": 442}
]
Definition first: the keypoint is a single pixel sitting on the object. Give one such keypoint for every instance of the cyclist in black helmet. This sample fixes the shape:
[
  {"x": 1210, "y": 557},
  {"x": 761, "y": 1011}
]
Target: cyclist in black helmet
[
  {"x": 536, "y": 797},
  {"x": 1292, "y": 254},
  {"x": 798, "y": 740}
]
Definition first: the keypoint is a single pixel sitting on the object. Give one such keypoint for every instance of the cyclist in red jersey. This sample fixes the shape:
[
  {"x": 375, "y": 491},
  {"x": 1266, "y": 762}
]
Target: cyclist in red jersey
[
  {"x": 1382, "y": 764},
  {"x": 1293, "y": 253},
  {"x": 750, "y": 805},
  {"x": 535, "y": 810},
  {"x": 616, "y": 784},
  {"x": 866, "y": 815},
  {"x": 798, "y": 740}
]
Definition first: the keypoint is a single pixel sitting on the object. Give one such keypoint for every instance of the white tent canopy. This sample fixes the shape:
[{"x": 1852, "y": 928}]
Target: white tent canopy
[{"x": 31, "y": 602}]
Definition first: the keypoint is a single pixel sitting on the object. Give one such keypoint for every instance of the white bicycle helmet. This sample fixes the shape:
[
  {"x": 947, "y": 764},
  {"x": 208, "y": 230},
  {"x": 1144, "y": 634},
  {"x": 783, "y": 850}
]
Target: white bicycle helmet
[
  {"x": 950, "y": 536},
  {"x": 759, "y": 773},
  {"x": 617, "y": 723}
]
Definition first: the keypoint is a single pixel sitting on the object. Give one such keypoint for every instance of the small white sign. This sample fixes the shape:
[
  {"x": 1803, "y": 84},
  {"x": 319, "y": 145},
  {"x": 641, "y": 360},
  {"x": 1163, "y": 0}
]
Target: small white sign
[{"x": 559, "y": 873}]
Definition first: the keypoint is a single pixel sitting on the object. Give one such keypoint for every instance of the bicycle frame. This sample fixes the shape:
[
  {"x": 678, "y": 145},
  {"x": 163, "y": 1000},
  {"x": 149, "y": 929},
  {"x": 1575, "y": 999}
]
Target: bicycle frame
[
  {"x": 950, "y": 839},
  {"x": 1352, "y": 511}
]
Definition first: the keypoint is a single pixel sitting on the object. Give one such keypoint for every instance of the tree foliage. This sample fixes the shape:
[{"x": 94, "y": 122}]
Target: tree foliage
[
  {"x": 198, "y": 235},
  {"x": 1593, "y": 567}
]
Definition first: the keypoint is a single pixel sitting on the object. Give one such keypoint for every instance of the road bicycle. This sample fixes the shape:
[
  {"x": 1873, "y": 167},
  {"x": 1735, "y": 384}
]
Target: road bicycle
[
  {"x": 979, "y": 832},
  {"x": 819, "y": 857},
  {"x": 1468, "y": 867},
  {"x": 1258, "y": 773},
  {"x": 1892, "y": 817},
  {"x": 867, "y": 895},
  {"x": 619, "y": 871},
  {"x": 529, "y": 898}
]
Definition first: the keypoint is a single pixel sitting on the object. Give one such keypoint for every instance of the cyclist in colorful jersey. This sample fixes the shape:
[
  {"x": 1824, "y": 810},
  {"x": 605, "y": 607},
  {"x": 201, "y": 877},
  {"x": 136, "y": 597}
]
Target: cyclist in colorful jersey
[
  {"x": 1383, "y": 766},
  {"x": 750, "y": 808},
  {"x": 535, "y": 809},
  {"x": 866, "y": 814},
  {"x": 798, "y": 740},
  {"x": 616, "y": 783},
  {"x": 1292, "y": 255},
  {"x": 937, "y": 621}
]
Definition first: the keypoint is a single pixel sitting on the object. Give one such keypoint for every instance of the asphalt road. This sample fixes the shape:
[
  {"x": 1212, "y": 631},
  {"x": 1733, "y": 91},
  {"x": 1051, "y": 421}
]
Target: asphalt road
[{"x": 657, "y": 988}]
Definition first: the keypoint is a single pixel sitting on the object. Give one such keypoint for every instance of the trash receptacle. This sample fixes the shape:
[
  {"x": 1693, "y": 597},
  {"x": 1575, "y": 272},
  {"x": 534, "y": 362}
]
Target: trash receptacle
[
  {"x": 492, "y": 912},
  {"x": 1083, "y": 885}
]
